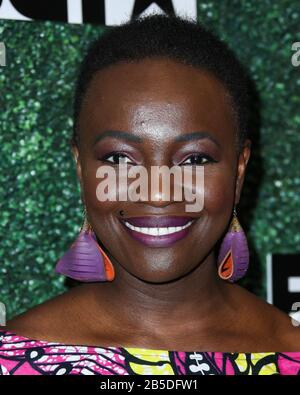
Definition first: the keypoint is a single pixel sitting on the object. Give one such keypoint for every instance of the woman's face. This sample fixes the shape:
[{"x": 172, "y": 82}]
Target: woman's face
[{"x": 157, "y": 105}]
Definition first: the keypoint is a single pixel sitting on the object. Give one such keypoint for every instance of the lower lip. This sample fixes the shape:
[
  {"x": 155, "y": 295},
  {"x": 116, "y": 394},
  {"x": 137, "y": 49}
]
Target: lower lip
[{"x": 158, "y": 241}]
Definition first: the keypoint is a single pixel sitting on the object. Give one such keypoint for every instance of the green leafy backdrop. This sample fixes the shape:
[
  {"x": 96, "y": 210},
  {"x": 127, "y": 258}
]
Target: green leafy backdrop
[{"x": 40, "y": 208}]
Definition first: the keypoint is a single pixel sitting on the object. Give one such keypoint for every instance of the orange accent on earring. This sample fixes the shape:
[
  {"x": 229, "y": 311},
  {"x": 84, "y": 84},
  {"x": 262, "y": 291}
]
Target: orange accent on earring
[
  {"x": 225, "y": 270},
  {"x": 109, "y": 268}
]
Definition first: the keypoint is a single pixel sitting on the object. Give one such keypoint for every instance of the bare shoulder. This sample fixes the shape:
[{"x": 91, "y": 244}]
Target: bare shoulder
[
  {"x": 276, "y": 328},
  {"x": 50, "y": 320}
]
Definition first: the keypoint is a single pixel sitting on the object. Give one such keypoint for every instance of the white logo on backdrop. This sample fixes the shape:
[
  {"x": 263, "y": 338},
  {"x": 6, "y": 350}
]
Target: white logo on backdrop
[{"x": 115, "y": 11}]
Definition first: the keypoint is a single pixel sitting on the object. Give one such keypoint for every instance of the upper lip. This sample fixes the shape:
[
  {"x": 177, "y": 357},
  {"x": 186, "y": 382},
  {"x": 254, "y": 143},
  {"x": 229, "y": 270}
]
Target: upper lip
[{"x": 158, "y": 221}]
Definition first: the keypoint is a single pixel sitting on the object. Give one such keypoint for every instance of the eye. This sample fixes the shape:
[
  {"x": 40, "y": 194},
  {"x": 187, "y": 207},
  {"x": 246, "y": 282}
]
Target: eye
[
  {"x": 117, "y": 158},
  {"x": 197, "y": 159}
]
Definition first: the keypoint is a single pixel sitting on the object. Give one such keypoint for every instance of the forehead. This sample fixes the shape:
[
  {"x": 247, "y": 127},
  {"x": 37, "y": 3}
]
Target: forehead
[{"x": 155, "y": 91}]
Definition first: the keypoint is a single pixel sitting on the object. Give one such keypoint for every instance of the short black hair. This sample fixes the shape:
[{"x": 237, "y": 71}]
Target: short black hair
[{"x": 173, "y": 37}]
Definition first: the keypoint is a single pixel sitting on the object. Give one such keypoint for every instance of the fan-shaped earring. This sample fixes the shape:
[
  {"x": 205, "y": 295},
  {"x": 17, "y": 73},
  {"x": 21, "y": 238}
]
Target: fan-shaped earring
[
  {"x": 233, "y": 259},
  {"x": 85, "y": 260}
]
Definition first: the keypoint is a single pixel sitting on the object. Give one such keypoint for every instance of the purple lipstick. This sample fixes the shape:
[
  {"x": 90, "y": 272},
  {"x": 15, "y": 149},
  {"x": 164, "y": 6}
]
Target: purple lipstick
[{"x": 158, "y": 231}]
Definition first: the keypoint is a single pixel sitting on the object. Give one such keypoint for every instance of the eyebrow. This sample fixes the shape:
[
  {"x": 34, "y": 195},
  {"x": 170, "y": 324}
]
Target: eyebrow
[
  {"x": 122, "y": 135},
  {"x": 197, "y": 136},
  {"x": 118, "y": 135}
]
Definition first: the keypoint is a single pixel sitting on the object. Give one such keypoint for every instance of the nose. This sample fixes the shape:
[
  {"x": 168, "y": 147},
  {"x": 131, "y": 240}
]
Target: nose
[
  {"x": 159, "y": 198},
  {"x": 160, "y": 191}
]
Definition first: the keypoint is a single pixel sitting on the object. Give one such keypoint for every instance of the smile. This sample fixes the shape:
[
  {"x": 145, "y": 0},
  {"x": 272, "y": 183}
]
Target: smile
[{"x": 158, "y": 231}]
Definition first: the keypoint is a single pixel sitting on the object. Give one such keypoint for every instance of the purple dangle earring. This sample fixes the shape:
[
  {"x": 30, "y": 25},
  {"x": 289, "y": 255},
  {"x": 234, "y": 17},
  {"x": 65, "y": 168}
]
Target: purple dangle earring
[
  {"x": 233, "y": 259},
  {"x": 85, "y": 260}
]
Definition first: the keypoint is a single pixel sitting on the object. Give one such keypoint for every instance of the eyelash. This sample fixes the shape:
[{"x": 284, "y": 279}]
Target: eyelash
[
  {"x": 208, "y": 158},
  {"x": 120, "y": 154}
]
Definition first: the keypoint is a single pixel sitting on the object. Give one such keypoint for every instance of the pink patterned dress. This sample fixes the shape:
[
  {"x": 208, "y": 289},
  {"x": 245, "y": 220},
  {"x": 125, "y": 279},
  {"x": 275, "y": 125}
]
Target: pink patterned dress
[{"x": 23, "y": 356}]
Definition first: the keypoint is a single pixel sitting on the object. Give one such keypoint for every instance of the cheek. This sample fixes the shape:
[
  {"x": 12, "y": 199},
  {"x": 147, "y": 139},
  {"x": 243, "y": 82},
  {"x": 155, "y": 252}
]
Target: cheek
[
  {"x": 91, "y": 186},
  {"x": 219, "y": 187}
]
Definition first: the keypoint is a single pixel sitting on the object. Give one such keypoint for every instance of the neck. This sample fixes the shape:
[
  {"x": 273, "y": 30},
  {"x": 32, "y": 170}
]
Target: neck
[{"x": 190, "y": 302}]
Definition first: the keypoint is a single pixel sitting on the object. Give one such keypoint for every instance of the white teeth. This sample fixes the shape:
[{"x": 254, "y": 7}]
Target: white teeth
[{"x": 157, "y": 231}]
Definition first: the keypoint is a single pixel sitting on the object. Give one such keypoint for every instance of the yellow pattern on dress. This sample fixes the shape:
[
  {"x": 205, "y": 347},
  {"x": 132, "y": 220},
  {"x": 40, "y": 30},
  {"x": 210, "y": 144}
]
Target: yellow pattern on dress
[
  {"x": 267, "y": 369},
  {"x": 145, "y": 355}
]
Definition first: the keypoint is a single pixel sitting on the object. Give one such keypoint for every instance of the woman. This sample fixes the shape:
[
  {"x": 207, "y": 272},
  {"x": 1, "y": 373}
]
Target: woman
[{"x": 155, "y": 295}]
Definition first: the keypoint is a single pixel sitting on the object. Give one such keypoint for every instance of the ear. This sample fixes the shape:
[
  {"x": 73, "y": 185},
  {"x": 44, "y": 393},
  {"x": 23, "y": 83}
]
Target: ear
[
  {"x": 243, "y": 159},
  {"x": 76, "y": 156}
]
